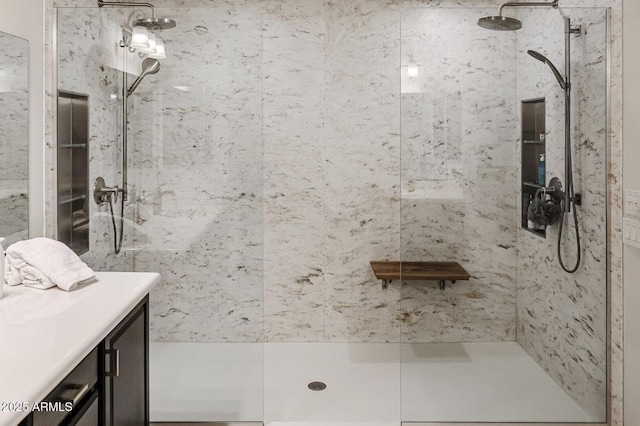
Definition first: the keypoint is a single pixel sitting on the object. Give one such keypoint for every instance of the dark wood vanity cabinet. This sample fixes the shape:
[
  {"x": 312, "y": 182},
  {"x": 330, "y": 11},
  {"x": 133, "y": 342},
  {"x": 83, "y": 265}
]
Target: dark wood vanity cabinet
[
  {"x": 74, "y": 400},
  {"x": 125, "y": 352},
  {"x": 110, "y": 387}
]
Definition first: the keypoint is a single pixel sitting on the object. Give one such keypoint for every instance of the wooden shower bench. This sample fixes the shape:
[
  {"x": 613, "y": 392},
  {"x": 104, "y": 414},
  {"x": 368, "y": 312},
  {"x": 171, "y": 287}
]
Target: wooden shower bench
[{"x": 428, "y": 271}]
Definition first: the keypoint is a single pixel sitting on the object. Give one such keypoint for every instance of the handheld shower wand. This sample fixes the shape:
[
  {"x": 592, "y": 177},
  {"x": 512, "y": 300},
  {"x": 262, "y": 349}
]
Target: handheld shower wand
[
  {"x": 102, "y": 193},
  {"x": 149, "y": 66},
  {"x": 554, "y": 70}
]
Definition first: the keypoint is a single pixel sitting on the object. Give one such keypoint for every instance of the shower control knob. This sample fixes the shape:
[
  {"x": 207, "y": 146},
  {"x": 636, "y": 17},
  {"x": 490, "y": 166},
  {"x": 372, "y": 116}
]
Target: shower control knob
[{"x": 103, "y": 193}]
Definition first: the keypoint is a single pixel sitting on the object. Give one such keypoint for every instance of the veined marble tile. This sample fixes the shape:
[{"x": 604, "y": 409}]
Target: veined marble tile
[
  {"x": 562, "y": 317},
  {"x": 614, "y": 210},
  {"x": 458, "y": 126},
  {"x": 294, "y": 284},
  {"x": 263, "y": 190},
  {"x": 88, "y": 64},
  {"x": 14, "y": 139}
]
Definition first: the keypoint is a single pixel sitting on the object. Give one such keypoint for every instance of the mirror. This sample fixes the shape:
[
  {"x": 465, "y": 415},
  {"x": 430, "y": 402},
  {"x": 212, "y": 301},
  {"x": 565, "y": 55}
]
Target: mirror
[{"x": 14, "y": 138}]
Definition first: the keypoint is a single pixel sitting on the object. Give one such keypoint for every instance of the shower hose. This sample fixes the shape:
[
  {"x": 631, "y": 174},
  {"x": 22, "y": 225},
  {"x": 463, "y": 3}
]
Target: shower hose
[
  {"x": 575, "y": 221},
  {"x": 117, "y": 241}
]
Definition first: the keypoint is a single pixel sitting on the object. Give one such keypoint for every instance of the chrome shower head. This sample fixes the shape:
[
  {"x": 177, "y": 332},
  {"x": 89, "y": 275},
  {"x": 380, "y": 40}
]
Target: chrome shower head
[
  {"x": 499, "y": 23},
  {"x": 504, "y": 23},
  {"x": 149, "y": 66},
  {"x": 542, "y": 58},
  {"x": 155, "y": 24}
]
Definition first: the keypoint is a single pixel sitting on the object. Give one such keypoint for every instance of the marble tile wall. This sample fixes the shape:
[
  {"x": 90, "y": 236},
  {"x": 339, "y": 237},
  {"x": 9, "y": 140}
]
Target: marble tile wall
[
  {"x": 360, "y": 165},
  {"x": 614, "y": 226},
  {"x": 327, "y": 205},
  {"x": 561, "y": 316},
  {"x": 90, "y": 62},
  {"x": 343, "y": 197},
  {"x": 458, "y": 132},
  {"x": 295, "y": 208},
  {"x": 14, "y": 138},
  {"x": 195, "y": 150},
  {"x": 343, "y": 192},
  {"x": 332, "y": 157},
  {"x": 196, "y": 164}
]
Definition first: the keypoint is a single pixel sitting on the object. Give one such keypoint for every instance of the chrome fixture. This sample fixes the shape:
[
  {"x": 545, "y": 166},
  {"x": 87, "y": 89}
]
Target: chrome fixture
[
  {"x": 105, "y": 194},
  {"x": 149, "y": 66},
  {"x": 504, "y": 23},
  {"x": 136, "y": 37},
  {"x": 317, "y": 386},
  {"x": 154, "y": 23},
  {"x": 139, "y": 36},
  {"x": 570, "y": 197},
  {"x": 554, "y": 70}
]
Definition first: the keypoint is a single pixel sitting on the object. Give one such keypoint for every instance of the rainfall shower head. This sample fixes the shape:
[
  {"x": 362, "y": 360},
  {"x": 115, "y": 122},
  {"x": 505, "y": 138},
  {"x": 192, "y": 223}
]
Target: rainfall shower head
[
  {"x": 542, "y": 58},
  {"x": 504, "y": 23},
  {"x": 155, "y": 24},
  {"x": 499, "y": 23},
  {"x": 149, "y": 66}
]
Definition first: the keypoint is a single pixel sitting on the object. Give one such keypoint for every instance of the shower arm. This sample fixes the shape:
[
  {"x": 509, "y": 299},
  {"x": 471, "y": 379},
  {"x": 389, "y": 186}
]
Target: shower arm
[
  {"x": 553, "y": 4},
  {"x": 102, "y": 3}
]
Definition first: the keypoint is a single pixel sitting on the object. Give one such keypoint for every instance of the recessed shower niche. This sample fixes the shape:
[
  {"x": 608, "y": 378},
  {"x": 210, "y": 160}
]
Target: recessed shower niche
[
  {"x": 533, "y": 156},
  {"x": 73, "y": 170}
]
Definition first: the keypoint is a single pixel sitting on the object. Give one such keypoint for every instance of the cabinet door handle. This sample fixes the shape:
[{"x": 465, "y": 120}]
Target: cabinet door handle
[
  {"x": 74, "y": 393},
  {"x": 114, "y": 362}
]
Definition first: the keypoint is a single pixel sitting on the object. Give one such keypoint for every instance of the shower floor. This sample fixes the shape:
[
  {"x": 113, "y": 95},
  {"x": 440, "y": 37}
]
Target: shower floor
[{"x": 377, "y": 384}]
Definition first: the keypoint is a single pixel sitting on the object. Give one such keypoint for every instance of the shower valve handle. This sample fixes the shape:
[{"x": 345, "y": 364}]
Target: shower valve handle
[{"x": 103, "y": 193}]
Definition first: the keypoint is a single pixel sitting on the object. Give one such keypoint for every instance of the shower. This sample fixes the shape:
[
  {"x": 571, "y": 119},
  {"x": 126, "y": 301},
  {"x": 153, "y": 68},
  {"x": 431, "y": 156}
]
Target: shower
[
  {"x": 263, "y": 184},
  {"x": 569, "y": 198},
  {"x": 569, "y": 195},
  {"x": 103, "y": 193},
  {"x": 150, "y": 65}
]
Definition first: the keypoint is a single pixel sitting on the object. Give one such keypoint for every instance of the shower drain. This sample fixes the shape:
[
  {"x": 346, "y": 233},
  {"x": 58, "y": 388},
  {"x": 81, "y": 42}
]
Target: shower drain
[{"x": 317, "y": 386}]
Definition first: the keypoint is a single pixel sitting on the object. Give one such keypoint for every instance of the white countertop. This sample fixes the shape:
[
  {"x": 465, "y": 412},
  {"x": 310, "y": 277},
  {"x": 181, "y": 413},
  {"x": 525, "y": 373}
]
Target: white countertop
[{"x": 44, "y": 334}]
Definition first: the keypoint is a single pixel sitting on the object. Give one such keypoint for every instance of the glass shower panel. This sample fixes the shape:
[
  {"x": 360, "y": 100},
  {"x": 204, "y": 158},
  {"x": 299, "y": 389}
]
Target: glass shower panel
[
  {"x": 458, "y": 132},
  {"x": 89, "y": 64},
  {"x": 331, "y": 109},
  {"x": 520, "y": 340},
  {"x": 562, "y": 317},
  {"x": 458, "y": 145},
  {"x": 194, "y": 209},
  {"x": 196, "y": 175}
]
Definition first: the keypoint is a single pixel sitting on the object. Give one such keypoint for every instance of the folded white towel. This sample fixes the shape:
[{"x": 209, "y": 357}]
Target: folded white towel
[{"x": 44, "y": 263}]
